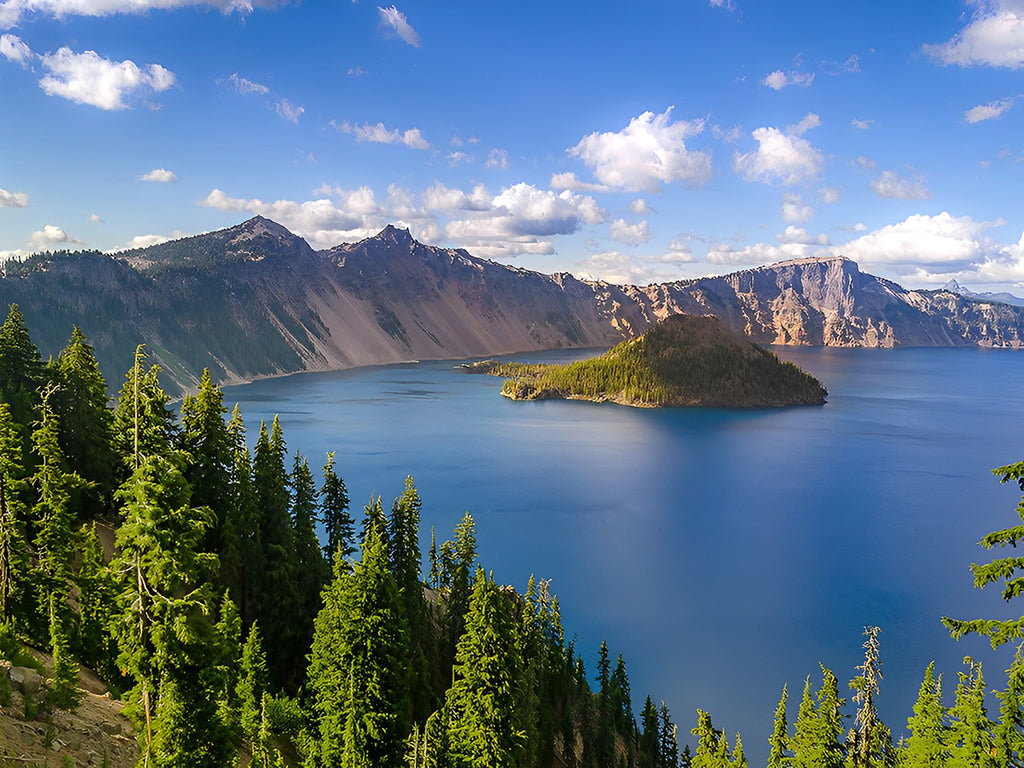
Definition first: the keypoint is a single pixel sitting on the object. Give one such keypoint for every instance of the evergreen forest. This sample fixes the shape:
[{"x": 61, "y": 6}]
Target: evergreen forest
[{"x": 230, "y": 598}]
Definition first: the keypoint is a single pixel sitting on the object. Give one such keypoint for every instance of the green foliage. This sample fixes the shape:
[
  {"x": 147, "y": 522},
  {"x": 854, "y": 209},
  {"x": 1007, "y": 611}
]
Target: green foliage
[
  {"x": 684, "y": 360},
  {"x": 778, "y": 742},
  {"x": 22, "y": 373},
  {"x": 969, "y": 736},
  {"x": 143, "y": 424},
  {"x": 252, "y": 683},
  {"x": 818, "y": 731},
  {"x": 925, "y": 748},
  {"x": 13, "y": 547},
  {"x": 64, "y": 694},
  {"x": 338, "y": 523}
]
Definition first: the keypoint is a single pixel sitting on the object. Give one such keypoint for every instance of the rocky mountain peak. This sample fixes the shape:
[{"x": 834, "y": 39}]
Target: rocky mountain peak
[{"x": 393, "y": 235}]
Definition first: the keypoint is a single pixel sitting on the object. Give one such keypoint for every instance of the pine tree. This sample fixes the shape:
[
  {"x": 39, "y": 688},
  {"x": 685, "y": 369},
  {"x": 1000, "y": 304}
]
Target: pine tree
[
  {"x": 649, "y": 735},
  {"x": 143, "y": 424},
  {"x": 242, "y": 554},
  {"x": 13, "y": 551},
  {"x": 252, "y": 683},
  {"x": 712, "y": 750},
  {"x": 229, "y": 668},
  {"x": 22, "y": 373},
  {"x": 357, "y": 664},
  {"x": 312, "y": 572},
  {"x": 1008, "y": 734},
  {"x": 925, "y": 748},
  {"x": 738, "y": 759},
  {"x": 65, "y": 693},
  {"x": 205, "y": 439},
  {"x": 605, "y": 741},
  {"x": 969, "y": 736},
  {"x": 81, "y": 404},
  {"x": 870, "y": 743},
  {"x": 668, "y": 749},
  {"x": 816, "y": 739},
  {"x": 338, "y": 523},
  {"x": 480, "y": 706},
  {"x": 167, "y": 638},
  {"x": 778, "y": 742},
  {"x": 277, "y": 593},
  {"x": 97, "y": 601}
]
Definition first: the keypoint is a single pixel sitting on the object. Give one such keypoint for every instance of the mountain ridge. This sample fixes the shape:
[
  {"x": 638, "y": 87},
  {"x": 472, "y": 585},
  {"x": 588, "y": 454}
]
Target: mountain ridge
[{"x": 255, "y": 300}]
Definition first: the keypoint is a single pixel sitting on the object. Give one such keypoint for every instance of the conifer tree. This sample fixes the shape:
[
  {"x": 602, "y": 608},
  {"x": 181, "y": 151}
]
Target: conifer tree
[
  {"x": 738, "y": 759},
  {"x": 605, "y": 736},
  {"x": 669, "y": 747},
  {"x": 65, "y": 693},
  {"x": 22, "y": 373},
  {"x": 649, "y": 736},
  {"x": 242, "y": 554},
  {"x": 870, "y": 743},
  {"x": 712, "y": 750},
  {"x": 480, "y": 707},
  {"x": 229, "y": 668},
  {"x": 13, "y": 552},
  {"x": 312, "y": 572},
  {"x": 1008, "y": 733},
  {"x": 81, "y": 404},
  {"x": 778, "y": 742},
  {"x": 969, "y": 736},
  {"x": 277, "y": 593},
  {"x": 168, "y": 643},
  {"x": 357, "y": 664},
  {"x": 205, "y": 439},
  {"x": 252, "y": 683},
  {"x": 338, "y": 523},
  {"x": 622, "y": 709},
  {"x": 816, "y": 739},
  {"x": 97, "y": 601},
  {"x": 925, "y": 747},
  {"x": 143, "y": 424}
]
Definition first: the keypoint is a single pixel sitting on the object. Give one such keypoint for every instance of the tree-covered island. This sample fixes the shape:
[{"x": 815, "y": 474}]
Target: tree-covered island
[{"x": 684, "y": 360}]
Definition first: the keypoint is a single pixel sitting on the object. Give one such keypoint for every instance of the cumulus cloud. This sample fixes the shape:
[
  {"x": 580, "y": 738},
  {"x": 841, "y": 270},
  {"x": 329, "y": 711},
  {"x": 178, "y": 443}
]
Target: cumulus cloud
[
  {"x": 438, "y": 197},
  {"x": 989, "y": 111},
  {"x": 322, "y": 222},
  {"x": 49, "y": 237},
  {"x": 13, "y": 48},
  {"x": 649, "y": 152},
  {"x": 759, "y": 253},
  {"x": 497, "y": 158},
  {"x": 246, "y": 87},
  {"x": 629, "y": 234},
  {"x": 289, "y": 111},
  {"x": 626, "y": 269},
  {"x": 640, "y": 207},
  {"x": 12, "y": 11},
  {"x": 395, "y": 21},
  {"x": 13, "y": 199},
  {"x": 795, "y": 210},
  {"x": 794, "y": 235},
  {"x": 863, "y": 125},
  {"x": 96, "y": 218},
  {"x": 456, "y": 159},
  {"x": 782, "y": 157},
  {"x": 88, "y": 78},
  {"x": 828, "y": 195},
  {"x": 159, "y": 175},
  {"x": 380, "y": 134},
  {"x": 895, "y": 187},
  {"x": 994, "y": 37},
  {"x": 729, "y": 5},
  {"x": 569, "y": 181},
  {"x": 778, "y": 79}
]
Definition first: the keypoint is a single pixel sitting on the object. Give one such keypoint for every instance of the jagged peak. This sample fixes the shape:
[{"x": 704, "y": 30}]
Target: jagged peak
[{"x": 397, "y": 235}]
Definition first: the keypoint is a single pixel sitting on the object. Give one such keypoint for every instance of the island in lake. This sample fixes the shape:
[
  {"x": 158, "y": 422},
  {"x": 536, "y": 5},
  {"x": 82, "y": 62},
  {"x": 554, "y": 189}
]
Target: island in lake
[{"x": 685, "y": 360}]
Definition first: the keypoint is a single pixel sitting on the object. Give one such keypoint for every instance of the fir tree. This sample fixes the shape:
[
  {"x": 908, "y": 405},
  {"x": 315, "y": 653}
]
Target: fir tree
[
  {"x": 277, "y": 593},
  {"x": 1008, "y": 734},
  {"x": 668, "y": 750},
  {"x": 205, "y": 439},
  {"x": 13, "y": 553},
  {"x": 816, "y": 739},
  {"x": 605, "y": 736},
  {"x": 311, "y": 572},
  {"x": 143, "y": 424},
  {"x": 712, "y": 749},
  {"x": 22, "y": 373},
  {"x": 969, "y": 736},
  {"x": 81, "y": 404},
  {"x": 338, "y": 523},
  {"x": 65, "y": 693},
  {"x": 778, "y": 742},
  {"x": 925, "y": 748},
  {"x": 480, "y": 706},
  {"x": 252, "y": 683},
  {"x": 649, "y": 736},
  {"x": 357, "y": 664},
  {"x": 242, "y": 556},
  {"x": 870, "y": 742},
  {"x": 97, "y": 608}
]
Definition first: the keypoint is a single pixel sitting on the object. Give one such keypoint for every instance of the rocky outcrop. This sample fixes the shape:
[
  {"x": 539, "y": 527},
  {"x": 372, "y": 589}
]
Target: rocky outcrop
[{"x": 255, "y": 300}]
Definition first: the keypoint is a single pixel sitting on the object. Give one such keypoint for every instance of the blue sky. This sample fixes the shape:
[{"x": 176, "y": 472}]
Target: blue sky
[{"x": 634, "y": 143}]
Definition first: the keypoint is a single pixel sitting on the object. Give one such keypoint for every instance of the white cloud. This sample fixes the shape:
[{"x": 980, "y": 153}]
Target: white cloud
[
  {"x": 728, "y": 135},
  {"x": 865, "y": 163},
  {"x": 828, "y": 195},
  {"x": 921, "y": 243},
  {"x": 393, "y": 19},
  {"x": 246, "y": 87},
  {"x": 995, "y": 37},
  {"x": 356, "y": 71},
  {"x": 456, "y": 159},
  {"x": 88, "y": 78},
  {"x": 759, "y": 253},
  {"x": 322, "y": 222},
  {"x": 380, "y": 134},
  {"x": 786, "y": 158},
  {"x": 11, "y": 11},
  {"x": 159, "y": 175},
  {"x": 778, "y": 79},
  {"x": 497, "y": 158},
  {"x": 96, "y": 218},
  {"x": 289, "y": 111},
  {"x": 727, "y": 4},
  {"x": 989, "y": 111},
  {"x": 49, "y": 237},
  {"x": 795, "y": 210},
  {"x": 568, "y": 180},
  {"x": 145, "y": 241},
  {"x": 650, "y": 151},
  {"x": 799, "y": 236},
  {"x": 13, "y": 48},
  {"x": 863, "y": 125},
  {"x": 623, "y": 269},
  {"x": 629, "y": 234},
  {"x": 640, "y": 207},
  {"x": 852, "y": 64},
  {"x": 13, "y": 199},
  {"x": 438, "y": 197},
  {"x": 893, "y": 186}
]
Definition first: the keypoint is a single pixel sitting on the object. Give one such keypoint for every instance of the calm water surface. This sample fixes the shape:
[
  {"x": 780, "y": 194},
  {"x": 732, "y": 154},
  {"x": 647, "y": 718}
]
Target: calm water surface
[{"x": 723, "y": 553}]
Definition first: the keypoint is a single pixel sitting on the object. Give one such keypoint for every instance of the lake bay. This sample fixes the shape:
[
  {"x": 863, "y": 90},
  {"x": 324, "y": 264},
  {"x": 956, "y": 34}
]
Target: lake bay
[{"x": 722, "y": 552}]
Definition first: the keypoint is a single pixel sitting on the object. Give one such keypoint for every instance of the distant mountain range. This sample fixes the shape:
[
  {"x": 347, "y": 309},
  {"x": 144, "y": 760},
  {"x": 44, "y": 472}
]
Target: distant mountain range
[
  {"x": 255, "y": 300},
  {"x": 1004, "y": 298}
]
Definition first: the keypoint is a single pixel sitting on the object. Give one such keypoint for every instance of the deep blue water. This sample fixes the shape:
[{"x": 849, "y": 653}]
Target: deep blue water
[{"x": 723, "y": 553}]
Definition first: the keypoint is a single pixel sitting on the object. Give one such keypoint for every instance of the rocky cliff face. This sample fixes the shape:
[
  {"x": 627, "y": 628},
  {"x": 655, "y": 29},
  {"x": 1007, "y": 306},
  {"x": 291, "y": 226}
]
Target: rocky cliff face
[{"x": 255, "y": 300}]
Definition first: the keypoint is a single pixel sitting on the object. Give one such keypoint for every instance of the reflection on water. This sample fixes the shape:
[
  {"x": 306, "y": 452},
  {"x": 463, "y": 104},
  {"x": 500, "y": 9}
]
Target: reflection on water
[{"x": 722, "y": 552}]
